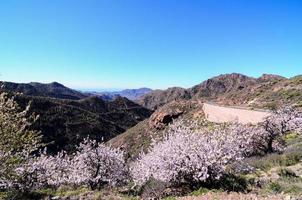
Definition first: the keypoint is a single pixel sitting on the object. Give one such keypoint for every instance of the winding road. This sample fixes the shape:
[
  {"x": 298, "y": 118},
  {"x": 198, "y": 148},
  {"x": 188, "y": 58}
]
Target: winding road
[{"x": 220, "y": 114}]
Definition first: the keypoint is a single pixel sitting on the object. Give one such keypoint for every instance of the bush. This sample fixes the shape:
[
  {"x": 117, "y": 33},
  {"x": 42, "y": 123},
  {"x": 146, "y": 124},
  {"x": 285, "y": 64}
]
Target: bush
[
  {"x": 200, "y": 191},
  {"x": 275, "y": 187},
  {"x": 286, "y": 173}
]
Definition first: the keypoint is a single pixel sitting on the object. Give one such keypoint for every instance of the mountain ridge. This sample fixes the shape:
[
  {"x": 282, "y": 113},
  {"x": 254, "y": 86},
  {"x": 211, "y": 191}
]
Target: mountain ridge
[
  {"x": 53, "y": 90},
  {"x": 232, "y": 89}
]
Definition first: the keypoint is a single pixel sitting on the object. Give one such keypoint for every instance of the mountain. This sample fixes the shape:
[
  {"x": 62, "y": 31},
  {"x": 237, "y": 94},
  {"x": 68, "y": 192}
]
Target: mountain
[
  {"x": 132, "y": 94},
  {"x": 64, "y": 123},
  {"x": 222, "y": 84},
  {"x": 158, "y": 98},
  {"x": 266, "y": 91},
  {"x": 53, "y": 90}
]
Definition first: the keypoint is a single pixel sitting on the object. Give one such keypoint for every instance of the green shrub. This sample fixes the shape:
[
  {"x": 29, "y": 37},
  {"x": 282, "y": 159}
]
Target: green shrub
[
  {"x": 293, "y": 189},
  {"x": 200, "y": 191},
  {"x": 275, "y": 187},
  {"x": 286, "y": 173},
  {"x": 228, "y": 182},
  {"x": 291, "y": 156},
  {"x": 271, "y": 106},
  {"x": 20, "y": 195}
]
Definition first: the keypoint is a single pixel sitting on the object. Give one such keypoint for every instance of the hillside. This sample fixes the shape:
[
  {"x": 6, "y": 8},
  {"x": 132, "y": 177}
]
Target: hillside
[
  {"x": 53, "y": 90},
  {"x": 267, "y": 91},
  {"x": 139, "y": 137},
  {"x": 158, "y": 98},
  {"x": 64, "y": 123}
]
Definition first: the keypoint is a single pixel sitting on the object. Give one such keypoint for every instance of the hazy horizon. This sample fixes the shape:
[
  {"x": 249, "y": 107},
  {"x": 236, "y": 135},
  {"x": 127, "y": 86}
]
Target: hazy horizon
[{"x": 108, "y": 89}]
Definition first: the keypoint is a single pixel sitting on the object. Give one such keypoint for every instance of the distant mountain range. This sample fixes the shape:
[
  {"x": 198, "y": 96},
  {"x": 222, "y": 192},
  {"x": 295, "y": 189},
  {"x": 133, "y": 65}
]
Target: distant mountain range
[
  {"x": 57, "y": 90},
  {"x": 53, "y": 90},
  {"x": 132, "y": 94}
]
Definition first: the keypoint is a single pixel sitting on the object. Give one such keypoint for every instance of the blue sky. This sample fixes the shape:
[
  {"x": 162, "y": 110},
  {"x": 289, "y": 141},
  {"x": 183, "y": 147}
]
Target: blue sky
[{"x": 153, "y": 43}]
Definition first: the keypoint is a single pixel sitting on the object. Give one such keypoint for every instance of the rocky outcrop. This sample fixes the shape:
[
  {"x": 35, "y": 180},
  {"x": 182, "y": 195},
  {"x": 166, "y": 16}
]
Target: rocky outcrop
[
  {"x": 270, "y": 77},
  {"x": 166, "y": 114}
]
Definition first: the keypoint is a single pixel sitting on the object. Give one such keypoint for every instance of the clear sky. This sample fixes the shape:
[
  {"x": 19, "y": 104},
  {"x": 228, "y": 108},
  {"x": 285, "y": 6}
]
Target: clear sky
[{"x": 153, "y": 43}]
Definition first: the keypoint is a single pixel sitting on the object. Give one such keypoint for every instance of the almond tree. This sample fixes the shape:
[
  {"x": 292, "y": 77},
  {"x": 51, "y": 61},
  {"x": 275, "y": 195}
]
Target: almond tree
[
  {"x": 47, "y": 170},
  {"x": 17, "y": 143},
  {"x": 187, "y": 155},
  {"x": 94, "y": 164},
  {"x": 281, "y": 122}
]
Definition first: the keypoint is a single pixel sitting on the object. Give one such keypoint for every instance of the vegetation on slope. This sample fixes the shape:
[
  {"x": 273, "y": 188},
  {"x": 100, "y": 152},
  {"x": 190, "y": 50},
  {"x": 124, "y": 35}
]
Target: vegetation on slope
[{"x": 65, "y": 123}]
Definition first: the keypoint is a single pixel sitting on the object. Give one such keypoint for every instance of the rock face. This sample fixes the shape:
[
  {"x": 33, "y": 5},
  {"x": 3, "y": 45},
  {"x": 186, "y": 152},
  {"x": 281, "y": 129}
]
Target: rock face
[
  {"x": 166, "y": 114},
  {"x": 53, "y": 90},
  {"x": 270, "y": 77},
  {"x": 266, "y": 91}
]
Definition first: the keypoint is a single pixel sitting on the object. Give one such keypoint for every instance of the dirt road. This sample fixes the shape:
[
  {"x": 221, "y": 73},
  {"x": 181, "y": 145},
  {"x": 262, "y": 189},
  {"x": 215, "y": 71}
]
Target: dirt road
[{"x": 219, "y": 114}]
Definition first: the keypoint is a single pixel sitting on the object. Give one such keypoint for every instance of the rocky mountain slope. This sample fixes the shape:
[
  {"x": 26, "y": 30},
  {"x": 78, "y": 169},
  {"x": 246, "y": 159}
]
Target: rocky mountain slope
[
  {"x": 53, "y": 90},
  {"x": 158, "y": 98},
  {"x": 266, "y": 91},
  {"x": 64, "y": 123}
]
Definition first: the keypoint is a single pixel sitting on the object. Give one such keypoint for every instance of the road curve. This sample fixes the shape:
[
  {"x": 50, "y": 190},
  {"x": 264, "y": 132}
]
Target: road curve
[{"x": 220, "y": 114}]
